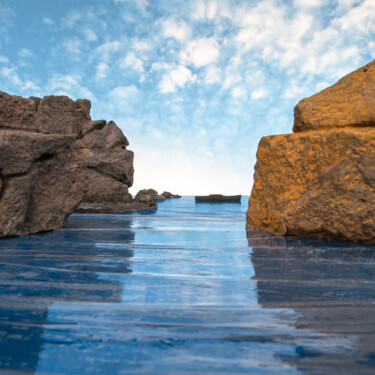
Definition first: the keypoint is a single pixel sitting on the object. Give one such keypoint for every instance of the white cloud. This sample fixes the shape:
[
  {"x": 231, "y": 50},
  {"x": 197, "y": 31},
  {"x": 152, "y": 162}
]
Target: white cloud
[
  {"x": 48, "y": 21},
  {"x": 4, "y": 60},
  {"x": 102, "y": 70},
  {"x": 213, "y": 75},
  {"x": 178, "y": 77},
  {"x": 68, "y": 84},
  {"x": 11, "y": 74},
  {"x": 201, "y": 52},
  {"x": 258, "y": 94},
  {"x": 89, "y": 34},
  {"x": 141, "y": 45},
  {"x": 71, "y": 19},
  {"x": 132, "y": 61},
  {"x": 73, "y": 45},
  {"x": 123, "y": 92},
  {"x": 178, "y": 30},
  {"x": 24, "y": 52},
  {"x": 238, "y": 92},
  {"x": 105, "y": 50}
]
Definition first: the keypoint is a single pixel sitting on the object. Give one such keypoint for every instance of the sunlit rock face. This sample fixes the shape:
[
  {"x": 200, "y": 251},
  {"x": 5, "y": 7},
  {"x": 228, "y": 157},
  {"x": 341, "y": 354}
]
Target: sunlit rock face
[{"x": 320, "y": 181}]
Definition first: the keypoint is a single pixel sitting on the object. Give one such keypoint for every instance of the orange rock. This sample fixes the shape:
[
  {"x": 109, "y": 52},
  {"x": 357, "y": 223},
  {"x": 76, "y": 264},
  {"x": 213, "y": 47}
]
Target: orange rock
[
  {"x": 316, "y": 183},
  {"x": 349, "y": 102}
]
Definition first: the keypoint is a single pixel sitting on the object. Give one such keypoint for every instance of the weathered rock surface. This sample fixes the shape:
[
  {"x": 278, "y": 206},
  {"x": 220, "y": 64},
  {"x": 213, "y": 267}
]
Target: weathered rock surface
[
  {"x": 62, "y": 115},
  {"x": 152, "y": 193},
  {"x": 41, "y": 181},
  {"x": 318, "y": 183},
  {"x": 349, "y": 102},
  {"x": 169, "y": 195},
  {"x": 17, "y": 112}
]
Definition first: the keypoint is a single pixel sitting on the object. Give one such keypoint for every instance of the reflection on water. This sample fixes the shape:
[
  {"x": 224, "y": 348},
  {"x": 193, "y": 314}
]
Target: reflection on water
[
  {"x": 63, "y": 265},
  {"x": 332, "y": 288},
  {"x": 174, "y": 291}
]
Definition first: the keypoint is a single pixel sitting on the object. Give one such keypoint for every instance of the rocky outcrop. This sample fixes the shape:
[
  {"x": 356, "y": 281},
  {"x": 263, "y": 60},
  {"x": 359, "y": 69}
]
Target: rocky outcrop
[
  {"x": 320, "y": 181},
  {"x": 152, "y": 193},
  {"x": 43, "y": 184},
  {"x": 349, "y": 102},
  {"x": 41, "y": 179},
  {"x": 169, "y": 195}
]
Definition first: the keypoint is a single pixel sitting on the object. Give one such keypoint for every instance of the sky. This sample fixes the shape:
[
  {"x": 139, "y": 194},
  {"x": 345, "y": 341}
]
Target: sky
[{"x": 193, "y": 84}]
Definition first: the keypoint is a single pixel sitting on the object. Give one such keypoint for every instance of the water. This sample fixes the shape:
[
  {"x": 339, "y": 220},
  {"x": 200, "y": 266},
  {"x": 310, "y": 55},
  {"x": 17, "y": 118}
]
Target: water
[{"x": 183, "y": 290}]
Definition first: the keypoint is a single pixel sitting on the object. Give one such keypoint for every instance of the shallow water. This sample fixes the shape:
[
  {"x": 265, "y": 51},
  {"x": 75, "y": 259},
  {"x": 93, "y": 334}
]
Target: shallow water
[{"x": 183, "y": 290}]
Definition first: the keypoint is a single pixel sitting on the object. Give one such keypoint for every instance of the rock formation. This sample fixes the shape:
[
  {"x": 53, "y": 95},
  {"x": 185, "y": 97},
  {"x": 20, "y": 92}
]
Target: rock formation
[
  {"x": 169, "y": 195},
  {"x": 52, "y": 157},
  {"x": 320, "y": 181},
  {"x": 152, "y": 193},
  {"x": 41, "y": 181}
]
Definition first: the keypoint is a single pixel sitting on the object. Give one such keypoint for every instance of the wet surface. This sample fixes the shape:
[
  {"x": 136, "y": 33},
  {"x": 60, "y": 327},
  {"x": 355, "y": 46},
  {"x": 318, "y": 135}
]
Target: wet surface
[{"x": 183, "y": 290}]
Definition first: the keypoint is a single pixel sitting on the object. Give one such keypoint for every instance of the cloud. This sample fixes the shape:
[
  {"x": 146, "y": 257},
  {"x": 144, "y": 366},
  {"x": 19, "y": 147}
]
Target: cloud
[
  {"x": 201, "y": 52},
  {"x": 4, "y": 60},
  {"x": 89, "y": 34},
  {"x": 178, "y": 30},
  {"x": 258, "y": 94},
  {"x": 48, "y": 20},
  {"x": 123, "y": 92},
  {"x": 132, "y": 61},
  {"x": 105, "y": 50},
  {"x": 238, "y": 92},
  {"x": 213, "y": 75},
  {"x": 24, "y": 52},
  {"x": 71, "y": 19},
  {"x": 68, "y": 84},
  {"x": 177, "y": 77},
  {"x": 73, "y": 45},
  {"x": 102, "y": 71}
]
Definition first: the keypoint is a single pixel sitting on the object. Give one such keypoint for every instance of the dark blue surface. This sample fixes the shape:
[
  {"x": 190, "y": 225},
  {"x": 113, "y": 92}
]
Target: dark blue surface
[{"x": 183, "y": 290}]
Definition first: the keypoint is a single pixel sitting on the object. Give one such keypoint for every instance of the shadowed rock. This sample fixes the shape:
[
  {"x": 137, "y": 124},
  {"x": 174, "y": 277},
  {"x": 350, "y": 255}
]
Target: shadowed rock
[
  {"x": 152, "y": 193},
  {"x": 168, "y": 195},
  {"x": 41, "y": 185}
]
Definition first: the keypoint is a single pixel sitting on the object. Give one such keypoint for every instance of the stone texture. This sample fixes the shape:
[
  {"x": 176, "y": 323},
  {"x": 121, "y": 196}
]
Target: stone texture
[
  {"x": 349, "y": 102},
  {"x": 169, "y": 195},
  {"x": 218, "y": 198},
  {"x": 316, "y": 183},
  {"x": 109, "y": 136},
  {"x": 40, "y": 185},
  {"x": 152, "y": 193},
  {"x": 92, "y": 125},
  {"x": 17, "y": 112},
  {"x": 61, "y": 115},
  {"x": 114, "y": 163}
]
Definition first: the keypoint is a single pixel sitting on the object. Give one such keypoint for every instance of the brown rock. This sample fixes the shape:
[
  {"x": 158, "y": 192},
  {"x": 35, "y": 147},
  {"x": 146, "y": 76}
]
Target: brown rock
[
  {"x": 152, "y": 193},
  {"x": 109, "y": 136},
  {"x": 317, "y": 183},
  {"x": 103, "y": 189},
  {"x": 169, "y": 195},
  {"x": 114, "y": 163},
  {"x": 92, "y": 125},
  {"x": 61, "y": 115},
  {"x": 40, "y": 185},
  {"x": 349, "y": 102},
  {"x": 17, "y": 112}
]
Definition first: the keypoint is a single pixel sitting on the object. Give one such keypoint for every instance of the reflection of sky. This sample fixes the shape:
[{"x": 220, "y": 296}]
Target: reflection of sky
[{"x": 178, "y": 289}]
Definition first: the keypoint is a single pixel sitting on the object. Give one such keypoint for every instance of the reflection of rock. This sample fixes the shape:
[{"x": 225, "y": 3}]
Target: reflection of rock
[
  {"x": 168, "y": 195},
  {"x": 332, "y": 288},
  {"x": 41, "y": 178},
  {"x": 321, "y": 182},
  {"x": 35, "y": 274}
]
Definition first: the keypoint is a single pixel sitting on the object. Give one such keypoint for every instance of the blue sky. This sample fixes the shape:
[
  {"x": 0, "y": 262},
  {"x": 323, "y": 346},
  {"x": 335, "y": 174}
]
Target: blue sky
[{"x": 193, "y": 84}]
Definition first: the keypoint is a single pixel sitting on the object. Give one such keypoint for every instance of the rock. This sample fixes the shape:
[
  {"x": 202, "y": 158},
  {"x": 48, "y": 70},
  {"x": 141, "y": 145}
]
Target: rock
[
  {"x": 109, "y": 136},
  {"x": 114, "y": 163},
  {"x": 168, "y": 195},
  {"x": 17, "y": 112},
  {"x": 41, "y": 185},
  {"x": 320, "y": 183},
  {"x": 61, "y": 115},
  {"x": 93, "y": 125},
  {"x": 349, "y": 102},
  {"x": 153, "y": 193},
  {"x": 145, "y": 197},
  {"x": 317, "y": 183}
]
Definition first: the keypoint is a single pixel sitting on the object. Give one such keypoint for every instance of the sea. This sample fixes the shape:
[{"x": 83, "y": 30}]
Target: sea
[{"x": 184, "y": 289}]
